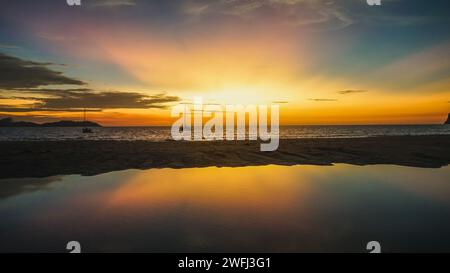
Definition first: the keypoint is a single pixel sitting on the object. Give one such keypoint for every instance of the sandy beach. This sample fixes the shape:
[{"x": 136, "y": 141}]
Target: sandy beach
[{"x": 47, "y": 158}]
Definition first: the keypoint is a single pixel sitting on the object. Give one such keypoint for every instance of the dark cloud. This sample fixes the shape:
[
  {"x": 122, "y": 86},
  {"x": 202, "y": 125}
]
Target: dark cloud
[
  {"x": 351, "y": 91},
  {"x": 107, "y": 100},
  {"x": 18, "y": 73},
  {"x": 11, "y": 109},
  {"x": 78, "y": 99},
  {"x": 323, "y": 99},
  {"x": 49, "y": 92},
  {"x": 26, "y": 77}
]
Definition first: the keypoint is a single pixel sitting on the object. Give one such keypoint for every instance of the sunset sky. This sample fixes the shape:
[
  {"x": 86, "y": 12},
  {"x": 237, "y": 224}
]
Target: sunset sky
[{"x": 129, "y": 61}]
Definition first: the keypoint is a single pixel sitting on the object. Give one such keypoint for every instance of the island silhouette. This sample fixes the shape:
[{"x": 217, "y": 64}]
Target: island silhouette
[{"x": 9, "y": 122}]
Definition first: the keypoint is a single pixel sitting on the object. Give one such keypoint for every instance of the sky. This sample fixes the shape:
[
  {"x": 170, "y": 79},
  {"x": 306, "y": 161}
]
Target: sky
[{"x": 129, "y": 61}]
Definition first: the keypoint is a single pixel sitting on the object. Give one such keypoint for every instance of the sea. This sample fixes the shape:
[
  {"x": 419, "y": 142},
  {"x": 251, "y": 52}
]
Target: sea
[
  {"x": 263, "y": 209},
  {"x": 162, "y": 133},
  {"x": 259, "y": 209}
]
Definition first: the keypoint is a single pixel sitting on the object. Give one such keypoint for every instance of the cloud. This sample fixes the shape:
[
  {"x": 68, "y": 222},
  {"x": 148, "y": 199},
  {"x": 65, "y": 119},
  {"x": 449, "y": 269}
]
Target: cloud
[
  {"x": 18, "y": 73},
  {"x": 3, "y": 46},
  {"x": 112, "y": 3},
  {"x": 420, "y": 68},
  {"x": 320, "y": 15},
  {"x": 78, "y": 99},
  {"x": 51, "y": 92},
  {"x": 55, "y": 37},
  {"x": 351, "y": 91},
  {"x": 11, "y": 109},
  {"x": 297, "y": 13},
  {"x": 323, "y": 99},
  {"x": 108, "y": 100},
  {"x": 27, "y": 77}
]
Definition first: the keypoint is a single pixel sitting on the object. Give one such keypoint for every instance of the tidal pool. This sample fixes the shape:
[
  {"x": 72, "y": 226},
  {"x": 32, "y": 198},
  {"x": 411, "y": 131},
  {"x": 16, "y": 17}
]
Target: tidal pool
[{"x": 248, "y": 209}]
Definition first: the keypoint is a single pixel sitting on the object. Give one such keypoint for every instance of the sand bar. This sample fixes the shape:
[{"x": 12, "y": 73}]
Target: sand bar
[{"x": 47, "y": 158}]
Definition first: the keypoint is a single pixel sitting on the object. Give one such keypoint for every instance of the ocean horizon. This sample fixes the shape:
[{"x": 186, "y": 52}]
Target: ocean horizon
[{"x": 162, "y": 133}]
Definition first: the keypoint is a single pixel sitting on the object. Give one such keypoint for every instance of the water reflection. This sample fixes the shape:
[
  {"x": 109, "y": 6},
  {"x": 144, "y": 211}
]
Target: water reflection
[{"x": 267, "y": 208}]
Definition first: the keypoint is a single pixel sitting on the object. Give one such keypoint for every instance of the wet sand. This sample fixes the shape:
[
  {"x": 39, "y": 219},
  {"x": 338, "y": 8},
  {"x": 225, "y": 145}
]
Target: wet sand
[{"x": 47, "y": 158}]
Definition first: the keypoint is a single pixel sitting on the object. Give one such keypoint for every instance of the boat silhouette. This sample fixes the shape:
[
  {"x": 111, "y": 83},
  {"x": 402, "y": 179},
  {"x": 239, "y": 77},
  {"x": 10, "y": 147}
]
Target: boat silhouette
[{"x": 85, "y": 129}]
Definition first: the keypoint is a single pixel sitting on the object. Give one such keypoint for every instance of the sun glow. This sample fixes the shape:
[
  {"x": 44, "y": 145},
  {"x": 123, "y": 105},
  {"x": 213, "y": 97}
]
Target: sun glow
[{"x": 228, "y": 62}]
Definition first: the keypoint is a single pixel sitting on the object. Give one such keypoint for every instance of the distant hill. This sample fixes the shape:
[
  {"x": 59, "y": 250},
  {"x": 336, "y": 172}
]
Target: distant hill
[
  {"x": 9, "y": 122},
  {"x": 71, "y": 123},
  {"x": 448, "y": 120}
]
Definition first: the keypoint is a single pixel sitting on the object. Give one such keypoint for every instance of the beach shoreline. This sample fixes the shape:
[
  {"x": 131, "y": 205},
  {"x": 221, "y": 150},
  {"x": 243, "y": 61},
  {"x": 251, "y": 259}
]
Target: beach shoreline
[{"x": 20, "y": 159}]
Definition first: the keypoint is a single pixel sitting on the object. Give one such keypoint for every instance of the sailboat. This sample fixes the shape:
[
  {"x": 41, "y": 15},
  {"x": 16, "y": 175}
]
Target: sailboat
[{"x": 85, "y": 129}]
